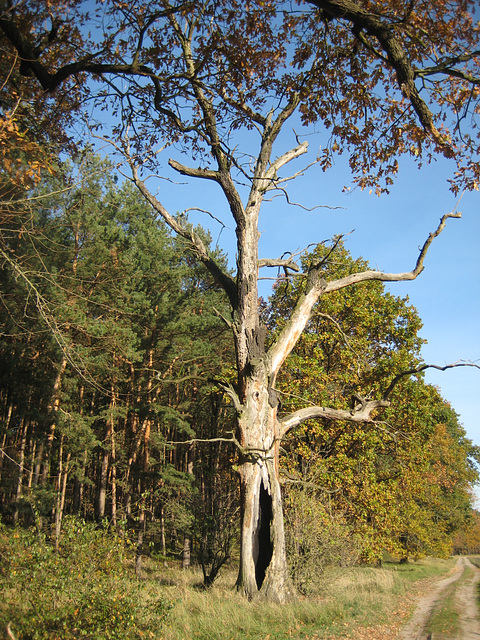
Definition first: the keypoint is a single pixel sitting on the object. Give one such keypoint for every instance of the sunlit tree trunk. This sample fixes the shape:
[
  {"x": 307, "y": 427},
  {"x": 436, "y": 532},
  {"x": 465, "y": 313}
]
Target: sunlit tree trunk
[
  {"x": 108, "y": 463},
  {"x": 54, "y": 406},
  {"x": 187, "y": 538},
  {"x": 263, "y": 571},
  {"x": 113, "y": 460},
  {"x": 102, "y": 490},
  {"x": 78, "y": 487},
  {"x": 140, "y": 537},
  {"x": 38, "y": 463},
  {"x": 63, "y": 468},
  {"x": 4, "y": 439},
  {"x": 163, "y": 540},
  {"x": 32, "y": 458}
]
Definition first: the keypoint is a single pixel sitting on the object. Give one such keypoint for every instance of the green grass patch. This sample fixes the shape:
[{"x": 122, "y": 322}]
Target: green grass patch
[{"x": 444, "y": 622}]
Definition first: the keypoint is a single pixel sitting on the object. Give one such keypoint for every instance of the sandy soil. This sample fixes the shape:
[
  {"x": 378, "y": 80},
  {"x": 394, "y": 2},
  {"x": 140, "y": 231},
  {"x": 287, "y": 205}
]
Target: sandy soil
[{"x": 465, "y": 596}]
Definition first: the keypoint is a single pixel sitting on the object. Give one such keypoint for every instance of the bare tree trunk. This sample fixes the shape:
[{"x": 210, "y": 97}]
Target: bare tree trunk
[
  {"x": 21, "y": 462},
  {"x": 61, "y": 492},
  {"x": 54, "y": 405},
  {"x": 263, "y": 569}
]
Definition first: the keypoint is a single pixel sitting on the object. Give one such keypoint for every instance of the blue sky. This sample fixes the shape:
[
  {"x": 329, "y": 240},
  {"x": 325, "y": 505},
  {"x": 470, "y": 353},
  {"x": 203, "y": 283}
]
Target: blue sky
[{"x": 388, "y": 232}]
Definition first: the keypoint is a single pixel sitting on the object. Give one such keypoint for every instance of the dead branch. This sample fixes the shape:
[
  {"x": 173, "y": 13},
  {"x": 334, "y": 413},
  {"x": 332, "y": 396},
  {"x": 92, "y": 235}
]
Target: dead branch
[
  {"x": 287, "y": 264},
  {"x": 10, "y": 632},
  {"x": 194, "y": 173},
  {"x": 365, "y": 276},
  {"x": 423, "y": 367},
  {"x": 361, "y": 413}
]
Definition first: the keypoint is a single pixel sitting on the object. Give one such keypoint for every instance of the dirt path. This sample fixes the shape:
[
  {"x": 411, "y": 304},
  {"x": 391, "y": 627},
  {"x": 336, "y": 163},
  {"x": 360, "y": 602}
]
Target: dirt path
[
  {"x": 466, "y": 599},
  {"x": 467, "y": 606}
]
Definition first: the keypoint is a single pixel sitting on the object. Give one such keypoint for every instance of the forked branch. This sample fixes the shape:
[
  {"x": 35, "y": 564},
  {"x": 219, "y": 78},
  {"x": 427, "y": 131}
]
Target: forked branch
[
  {"x": 361, "y": 413},
  {"x": 363, "y": 409}
]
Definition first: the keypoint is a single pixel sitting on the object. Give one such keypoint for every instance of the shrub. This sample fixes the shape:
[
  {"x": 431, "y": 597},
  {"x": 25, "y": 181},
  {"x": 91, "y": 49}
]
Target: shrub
[
  {"x": 86, "y": 590},
  {"x": 315, "y": 540}
]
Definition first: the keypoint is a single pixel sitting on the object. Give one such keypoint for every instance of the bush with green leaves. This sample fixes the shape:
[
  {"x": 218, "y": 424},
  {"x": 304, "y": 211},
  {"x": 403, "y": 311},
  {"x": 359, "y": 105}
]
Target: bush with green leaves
[
  {"x": 86, "y": 590},
  {"x": 317, "y": 540}
]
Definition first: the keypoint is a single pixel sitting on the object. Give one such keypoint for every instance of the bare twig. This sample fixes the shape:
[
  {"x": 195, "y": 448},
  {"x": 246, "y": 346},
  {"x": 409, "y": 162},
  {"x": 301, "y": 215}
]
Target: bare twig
[
  {"x": 423, "y": 367},
  {"x": 10, "y": 632}
]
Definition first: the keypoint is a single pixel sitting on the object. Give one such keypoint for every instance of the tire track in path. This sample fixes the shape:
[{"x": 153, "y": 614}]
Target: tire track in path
[{"x": 466, "y": 602}]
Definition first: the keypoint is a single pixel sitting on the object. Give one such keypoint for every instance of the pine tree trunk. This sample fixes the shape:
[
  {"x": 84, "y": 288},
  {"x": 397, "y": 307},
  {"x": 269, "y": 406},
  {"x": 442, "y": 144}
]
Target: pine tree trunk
[
  {"x": 163, "y": 540},
  {"x": 113, "y": 468},
  {"x": 140, "y": 537},
  {"x": 78, "y": 487},
  {"x": 102, "y": 491},
  {"x": 108, "y": 464},
  {"x": 4, "y": 439},
  {"x": 187, "y": 539},
  {"x": 38, "y": 464},
  {"x": 32, "y": 458},
  {"x": 61, "y": 492},
  {"x": 21, "y": 461},
  {"x": 54, "y": 405}
]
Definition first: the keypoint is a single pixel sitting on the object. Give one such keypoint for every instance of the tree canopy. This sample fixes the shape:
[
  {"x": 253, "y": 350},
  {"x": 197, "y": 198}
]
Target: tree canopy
[{"x": 382, "y": 78}]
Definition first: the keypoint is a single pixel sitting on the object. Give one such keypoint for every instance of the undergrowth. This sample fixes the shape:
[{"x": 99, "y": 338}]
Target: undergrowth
[{"x": 88, "y": 590}]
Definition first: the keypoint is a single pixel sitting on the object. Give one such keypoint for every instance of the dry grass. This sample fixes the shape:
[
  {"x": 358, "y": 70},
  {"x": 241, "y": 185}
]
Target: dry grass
[{"x": 352, "y": 600}]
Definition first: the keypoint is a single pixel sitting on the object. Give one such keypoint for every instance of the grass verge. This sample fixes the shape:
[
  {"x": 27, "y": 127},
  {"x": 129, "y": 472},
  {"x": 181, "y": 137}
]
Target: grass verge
[{"x": 353, "y": 603}]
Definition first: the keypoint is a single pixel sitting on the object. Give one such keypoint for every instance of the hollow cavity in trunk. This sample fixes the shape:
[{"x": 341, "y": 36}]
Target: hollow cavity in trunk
[{"x": 262, "y": 544}]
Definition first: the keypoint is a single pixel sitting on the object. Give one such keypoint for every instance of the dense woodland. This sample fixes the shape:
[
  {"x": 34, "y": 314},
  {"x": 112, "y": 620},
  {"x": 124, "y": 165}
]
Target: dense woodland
[
  {"x": 114, "y": 359},
  {"x": 141, "y": 374}
]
